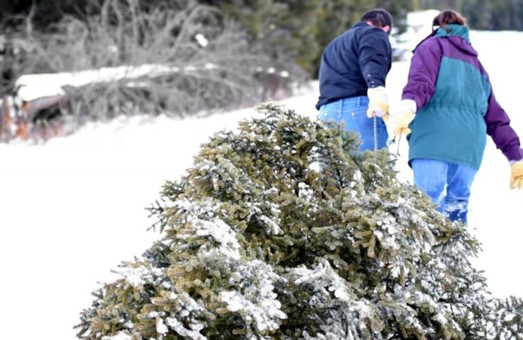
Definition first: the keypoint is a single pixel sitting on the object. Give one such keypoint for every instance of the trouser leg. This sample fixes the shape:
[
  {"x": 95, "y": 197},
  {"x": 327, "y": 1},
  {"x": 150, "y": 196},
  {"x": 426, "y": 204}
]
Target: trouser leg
[
  {"x": 430, "y": 176},
  {"x": 460, "y": 178},
  {"x": 352, "y": 113}
]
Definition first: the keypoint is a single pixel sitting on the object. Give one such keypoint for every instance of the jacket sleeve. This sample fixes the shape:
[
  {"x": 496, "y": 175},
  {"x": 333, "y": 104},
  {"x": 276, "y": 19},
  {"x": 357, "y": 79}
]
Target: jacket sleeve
[
  {"x": 499, "y": 129},
  {"x": 423, "y": 73},
  {"x": 375, "y": 56}
]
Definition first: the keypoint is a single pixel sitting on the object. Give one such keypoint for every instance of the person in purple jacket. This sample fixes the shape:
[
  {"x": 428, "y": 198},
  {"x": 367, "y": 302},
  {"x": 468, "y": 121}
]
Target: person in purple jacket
[
  {"x": 447, "y": 109},
  {"x": 352, "y": 76}
]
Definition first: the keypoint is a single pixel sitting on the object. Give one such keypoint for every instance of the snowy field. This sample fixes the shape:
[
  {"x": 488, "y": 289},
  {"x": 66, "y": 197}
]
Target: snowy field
[{"x": 72, "y": 209}]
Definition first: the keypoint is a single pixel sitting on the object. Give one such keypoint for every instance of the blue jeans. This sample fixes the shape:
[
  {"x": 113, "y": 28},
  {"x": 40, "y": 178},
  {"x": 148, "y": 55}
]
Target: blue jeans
[
  {"x": 352, "y": 112},
  {"x": 434, "y": 177}
]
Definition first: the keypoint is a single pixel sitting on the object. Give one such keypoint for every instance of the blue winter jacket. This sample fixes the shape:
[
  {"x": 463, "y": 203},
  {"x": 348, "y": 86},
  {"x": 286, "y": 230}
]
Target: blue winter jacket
[
  {"x": 455, "y": 101},
  {"x": 358, "y": 59}
]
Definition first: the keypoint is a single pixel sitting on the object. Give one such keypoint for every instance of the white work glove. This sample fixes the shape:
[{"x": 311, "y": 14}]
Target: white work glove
[
  {"x": 378, "y": 105},
  {"x": 516, "y": 175},
  {"x": 403, "y": 115}
]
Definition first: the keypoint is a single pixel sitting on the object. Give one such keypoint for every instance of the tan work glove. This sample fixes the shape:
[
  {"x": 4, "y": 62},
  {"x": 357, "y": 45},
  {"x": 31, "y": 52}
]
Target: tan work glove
[
  {"x": 516, "y": 176},
  {"x": 378, "y": 105},
  {"x": 403, "y": 116}
]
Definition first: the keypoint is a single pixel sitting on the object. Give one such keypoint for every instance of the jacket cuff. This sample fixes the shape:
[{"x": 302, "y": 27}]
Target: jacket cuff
[{"x": 515, "y": 155}]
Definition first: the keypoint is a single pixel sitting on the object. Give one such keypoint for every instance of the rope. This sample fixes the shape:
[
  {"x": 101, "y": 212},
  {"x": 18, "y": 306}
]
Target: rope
[
  {"x": 375, "y": 126},
  {"x": 398, "y": 146}
]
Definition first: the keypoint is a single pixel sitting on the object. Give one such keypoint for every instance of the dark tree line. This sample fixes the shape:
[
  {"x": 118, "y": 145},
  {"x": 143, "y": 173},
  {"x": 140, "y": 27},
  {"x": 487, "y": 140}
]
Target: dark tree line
[
  {"x": 310, "y": 16},
  {"x": 485, "y": 14},
  {"x": 289, "y": 30}
]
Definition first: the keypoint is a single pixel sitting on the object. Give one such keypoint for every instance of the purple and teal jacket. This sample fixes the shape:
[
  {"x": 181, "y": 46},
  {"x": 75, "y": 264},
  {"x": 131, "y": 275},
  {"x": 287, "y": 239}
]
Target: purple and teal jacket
[{"x": 456, "y": 105}]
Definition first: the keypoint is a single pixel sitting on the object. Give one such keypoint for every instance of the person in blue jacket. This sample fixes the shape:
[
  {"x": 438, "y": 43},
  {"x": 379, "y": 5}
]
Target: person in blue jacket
[
  {"x": 447, "y": 110},
  {"x": 352, "y": 76}
]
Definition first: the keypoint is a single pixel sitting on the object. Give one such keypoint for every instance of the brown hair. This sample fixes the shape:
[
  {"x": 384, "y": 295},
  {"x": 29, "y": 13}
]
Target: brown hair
[{"x": 448, "y": 17}]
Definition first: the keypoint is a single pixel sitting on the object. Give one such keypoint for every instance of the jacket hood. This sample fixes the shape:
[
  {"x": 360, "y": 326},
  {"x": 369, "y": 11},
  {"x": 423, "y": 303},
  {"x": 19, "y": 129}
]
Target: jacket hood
[{"x": 458, "y": 35}]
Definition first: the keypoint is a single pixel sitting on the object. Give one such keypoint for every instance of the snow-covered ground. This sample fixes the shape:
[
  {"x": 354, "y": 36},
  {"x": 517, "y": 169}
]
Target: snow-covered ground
[{"x": 72, "y": 209}]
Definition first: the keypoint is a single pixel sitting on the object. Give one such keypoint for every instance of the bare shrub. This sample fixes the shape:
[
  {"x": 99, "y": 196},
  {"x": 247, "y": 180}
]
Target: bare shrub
[{"x": 197, "y": 60}]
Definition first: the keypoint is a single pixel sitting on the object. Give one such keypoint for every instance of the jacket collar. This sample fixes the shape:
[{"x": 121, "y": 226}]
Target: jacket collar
[{"x": 453, "y": 30}]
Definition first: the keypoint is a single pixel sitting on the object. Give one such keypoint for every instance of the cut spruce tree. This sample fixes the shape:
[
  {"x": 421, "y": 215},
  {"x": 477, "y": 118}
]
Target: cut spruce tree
[{"x": 282, "y": 230}]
